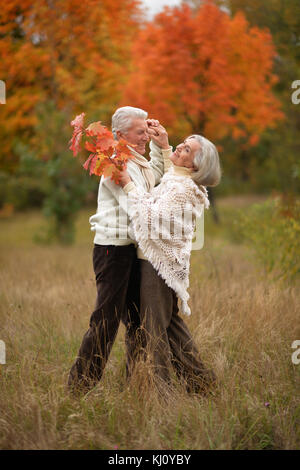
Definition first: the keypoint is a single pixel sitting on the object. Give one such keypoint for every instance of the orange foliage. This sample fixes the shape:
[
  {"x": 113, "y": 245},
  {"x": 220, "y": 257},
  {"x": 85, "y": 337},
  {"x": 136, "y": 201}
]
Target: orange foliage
[
  {"x": 109, "y": 157},
  {"x": 72, "y": 52},
  {"x": 204, "y": 73},
  {"x": 196, "y": 72}
]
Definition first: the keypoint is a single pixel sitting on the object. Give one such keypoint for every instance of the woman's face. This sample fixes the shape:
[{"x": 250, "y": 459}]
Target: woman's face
[{"x": 185, "y": 153}]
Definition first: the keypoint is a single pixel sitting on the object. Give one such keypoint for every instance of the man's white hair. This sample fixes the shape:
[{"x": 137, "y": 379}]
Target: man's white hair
[
  {"x": 206, "y": 162},
  {"x": 123, "y": 117}
]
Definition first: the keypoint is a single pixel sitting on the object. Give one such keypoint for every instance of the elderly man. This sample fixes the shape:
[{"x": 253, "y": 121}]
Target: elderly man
[{"x": 114, "y": 257}]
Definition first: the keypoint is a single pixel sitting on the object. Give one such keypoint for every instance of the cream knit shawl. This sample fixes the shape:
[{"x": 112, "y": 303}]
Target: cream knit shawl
[{"x": 163, "y": 222}]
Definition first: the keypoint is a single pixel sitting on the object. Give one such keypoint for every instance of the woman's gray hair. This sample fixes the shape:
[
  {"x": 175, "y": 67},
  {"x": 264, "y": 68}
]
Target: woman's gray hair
[
  {"x": 122, "y": 118},
  {"x": 206, "y": 162}
]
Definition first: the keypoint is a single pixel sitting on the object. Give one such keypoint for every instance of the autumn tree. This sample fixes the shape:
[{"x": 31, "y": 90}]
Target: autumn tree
[
  {"x": 58, "y": 58},
  {"x": 74, "y": 54},
  {"x": 276, "y": 157},
  {"x": 282, "y": 19},
  {"x": 204, "y": 72}
]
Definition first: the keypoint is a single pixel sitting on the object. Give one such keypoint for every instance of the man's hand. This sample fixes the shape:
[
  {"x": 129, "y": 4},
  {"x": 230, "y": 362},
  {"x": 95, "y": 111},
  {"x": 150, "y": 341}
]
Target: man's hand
[
  {"x": 124, "y": 178},
  {"x": 158, "y": 133}
]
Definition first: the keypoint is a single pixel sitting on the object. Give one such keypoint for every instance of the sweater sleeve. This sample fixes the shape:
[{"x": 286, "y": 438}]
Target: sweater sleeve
[
  {"x": 119, "y": 194},
  {"x": 129, "y": 187},
  {"x": 157, "y": 161},
  {"x": 167, "y": 162}
]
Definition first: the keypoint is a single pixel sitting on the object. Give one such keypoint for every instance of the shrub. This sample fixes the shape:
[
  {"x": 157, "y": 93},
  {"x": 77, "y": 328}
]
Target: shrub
[{"x": 273, "y": 230}]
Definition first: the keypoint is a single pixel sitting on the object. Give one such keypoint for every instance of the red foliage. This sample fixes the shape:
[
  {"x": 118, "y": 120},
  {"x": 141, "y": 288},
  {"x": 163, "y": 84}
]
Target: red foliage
[
  {"x": 108, "y": 156},
  {"x": 204, "y": 72},
  {"x": 69, "y": 52}
]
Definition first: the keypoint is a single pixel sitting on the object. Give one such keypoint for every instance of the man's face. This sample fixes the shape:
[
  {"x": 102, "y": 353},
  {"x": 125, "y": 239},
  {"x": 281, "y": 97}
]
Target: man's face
[{"x": 137, "y": 135}]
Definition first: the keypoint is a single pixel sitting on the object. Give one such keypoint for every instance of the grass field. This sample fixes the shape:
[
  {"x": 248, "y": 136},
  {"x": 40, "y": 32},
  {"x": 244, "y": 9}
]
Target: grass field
[{"x": 243, "y": 323}]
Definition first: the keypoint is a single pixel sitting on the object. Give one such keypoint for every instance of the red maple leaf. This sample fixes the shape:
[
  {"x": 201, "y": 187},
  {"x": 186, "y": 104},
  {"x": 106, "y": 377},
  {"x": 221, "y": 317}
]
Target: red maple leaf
[
  {"x": 108, "y": 156},
  {"x": 95, "y": 128},
  {"x": 87, "y": 162},
  {"x": 105, "y": 141},
  {"x": 74, "y": 143},
  {"x": 90, "y": 147},
  {"x": 122, "y": 147},
  {"x": 93, "y": 164}
]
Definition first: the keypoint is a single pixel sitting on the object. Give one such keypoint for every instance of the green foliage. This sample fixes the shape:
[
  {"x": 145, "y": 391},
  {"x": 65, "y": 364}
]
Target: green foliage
[
  {"x": 20, "y": 192},
  {"x": 49, "y": 177},
  {"x": 26, "y": 187},
  {"x": 273, "y": 230},
  {"x": 66, "y": 182},
  {"x": 66, "y": 190}
]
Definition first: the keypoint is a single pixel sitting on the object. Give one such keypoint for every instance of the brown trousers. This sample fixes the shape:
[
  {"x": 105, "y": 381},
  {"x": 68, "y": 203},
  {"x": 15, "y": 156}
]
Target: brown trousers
[
  {"x": 117, "y": 279},
  {"x": 131, "y": 291},
  {"x": 166, "y": 338}
]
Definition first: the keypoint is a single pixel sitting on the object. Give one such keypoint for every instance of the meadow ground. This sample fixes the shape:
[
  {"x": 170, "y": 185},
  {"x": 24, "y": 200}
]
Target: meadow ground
[{"x": 243, "y": 322}]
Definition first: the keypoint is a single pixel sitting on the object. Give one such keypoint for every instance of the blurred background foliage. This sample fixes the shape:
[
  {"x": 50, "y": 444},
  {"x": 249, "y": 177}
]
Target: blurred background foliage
[
  {"x": 272, "y": 229},
  {"x": 223, "y": 68}
]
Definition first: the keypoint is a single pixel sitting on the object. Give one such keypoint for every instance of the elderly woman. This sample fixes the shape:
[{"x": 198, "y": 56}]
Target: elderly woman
[{"x": 163, "y": 222}]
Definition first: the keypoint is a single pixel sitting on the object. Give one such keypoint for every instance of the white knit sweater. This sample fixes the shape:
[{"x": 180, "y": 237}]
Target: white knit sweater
[
  {"x": 163, "y": 224},
  {"x": 110, "y": 223}
]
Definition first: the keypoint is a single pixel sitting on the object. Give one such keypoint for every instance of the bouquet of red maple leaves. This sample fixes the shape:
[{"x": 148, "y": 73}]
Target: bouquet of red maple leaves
[{"x": 108, "y": 156}]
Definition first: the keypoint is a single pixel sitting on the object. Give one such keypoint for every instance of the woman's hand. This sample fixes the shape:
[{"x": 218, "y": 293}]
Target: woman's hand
[
  {"x": 124, "y": 178},
  {"x": 152, "y": 123},
  {"x": 158, "y": 134}
]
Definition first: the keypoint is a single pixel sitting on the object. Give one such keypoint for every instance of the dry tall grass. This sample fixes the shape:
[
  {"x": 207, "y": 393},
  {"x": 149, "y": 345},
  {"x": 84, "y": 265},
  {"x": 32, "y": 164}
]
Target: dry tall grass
[{"x": 243, "y": 323}]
